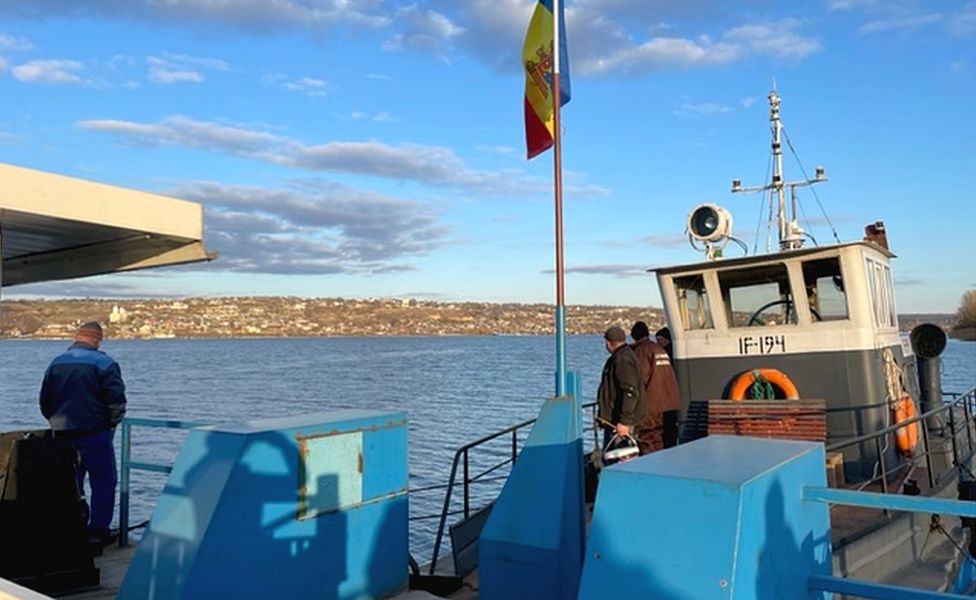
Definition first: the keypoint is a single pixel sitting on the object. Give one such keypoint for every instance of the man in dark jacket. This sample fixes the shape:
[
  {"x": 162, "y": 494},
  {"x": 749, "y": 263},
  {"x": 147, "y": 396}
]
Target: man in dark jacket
[
  {"x": 660, "y": 427},
  {"x": 83, "y": 399},
  {"x": 621, "y": 395}
]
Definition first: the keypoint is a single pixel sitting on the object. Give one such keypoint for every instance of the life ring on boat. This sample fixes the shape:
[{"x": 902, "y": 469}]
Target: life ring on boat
[
  {"x": 907, "y": 436},
  {"x": 745, "y": 380}
]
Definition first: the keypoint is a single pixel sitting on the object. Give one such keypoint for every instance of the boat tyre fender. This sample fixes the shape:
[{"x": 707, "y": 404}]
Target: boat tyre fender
[
  {"x": 745, "y": 380},
  {"x": 906, "y": 437}
]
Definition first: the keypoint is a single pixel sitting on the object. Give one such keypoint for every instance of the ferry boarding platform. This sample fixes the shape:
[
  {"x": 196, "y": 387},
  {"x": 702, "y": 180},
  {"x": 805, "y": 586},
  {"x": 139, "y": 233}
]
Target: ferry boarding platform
[{"x": 54, "y": 227}]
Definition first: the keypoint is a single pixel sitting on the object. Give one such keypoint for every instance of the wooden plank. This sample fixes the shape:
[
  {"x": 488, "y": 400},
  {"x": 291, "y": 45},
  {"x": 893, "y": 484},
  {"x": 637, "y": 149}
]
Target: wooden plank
[{"x": 784, "y": 419}]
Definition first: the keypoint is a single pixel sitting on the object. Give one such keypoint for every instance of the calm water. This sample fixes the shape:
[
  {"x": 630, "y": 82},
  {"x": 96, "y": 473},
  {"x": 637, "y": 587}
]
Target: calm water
[{"x": 454, "y": 389}]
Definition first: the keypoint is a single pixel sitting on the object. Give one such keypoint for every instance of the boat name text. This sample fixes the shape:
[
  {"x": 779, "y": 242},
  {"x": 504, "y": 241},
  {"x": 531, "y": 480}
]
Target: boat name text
[{"x": 762, "y": 344}]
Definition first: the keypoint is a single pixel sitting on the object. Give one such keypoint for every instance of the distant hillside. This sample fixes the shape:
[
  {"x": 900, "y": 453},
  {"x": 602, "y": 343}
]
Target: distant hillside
[
  {"x": 909, "y": 321},
  {"x": 290, "y": 316}
]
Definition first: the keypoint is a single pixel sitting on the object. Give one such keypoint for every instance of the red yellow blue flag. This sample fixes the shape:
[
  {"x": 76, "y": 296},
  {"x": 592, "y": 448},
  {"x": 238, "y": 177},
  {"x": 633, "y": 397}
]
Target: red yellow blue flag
[{"x": 538, "y": 61}]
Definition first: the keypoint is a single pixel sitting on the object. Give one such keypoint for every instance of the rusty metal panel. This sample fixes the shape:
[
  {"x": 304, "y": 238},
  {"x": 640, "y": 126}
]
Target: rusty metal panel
[{"x": 330, "y": 473}]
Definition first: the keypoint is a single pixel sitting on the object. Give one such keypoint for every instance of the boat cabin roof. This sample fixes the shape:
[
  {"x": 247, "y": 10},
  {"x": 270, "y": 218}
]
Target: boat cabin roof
[
  {"x": 724, "y": 263},
  {"x": 837, "y": 297},
  {"x": 54, "y": 227}
]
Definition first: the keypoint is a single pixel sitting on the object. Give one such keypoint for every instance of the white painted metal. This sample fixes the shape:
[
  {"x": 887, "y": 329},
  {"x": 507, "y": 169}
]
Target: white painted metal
[
  {"x": 57, "y": 227},
  {"x": 790, "y": 232}
]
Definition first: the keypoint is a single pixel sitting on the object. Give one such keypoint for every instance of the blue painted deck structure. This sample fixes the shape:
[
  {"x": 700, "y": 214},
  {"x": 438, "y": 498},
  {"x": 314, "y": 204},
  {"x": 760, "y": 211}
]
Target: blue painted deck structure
[
  {"x": 721, "y": 517},
  {"x": 531, "y": 546},
  {"x": 312, "y": 506}
]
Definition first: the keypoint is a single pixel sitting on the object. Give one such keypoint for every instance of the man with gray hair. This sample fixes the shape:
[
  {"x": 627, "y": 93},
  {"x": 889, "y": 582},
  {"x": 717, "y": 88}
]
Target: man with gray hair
[{"x": 83, "y": 399}]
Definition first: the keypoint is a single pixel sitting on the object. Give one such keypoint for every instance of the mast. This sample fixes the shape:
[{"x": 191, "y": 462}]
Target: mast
[{"x": 790, "y": 232}]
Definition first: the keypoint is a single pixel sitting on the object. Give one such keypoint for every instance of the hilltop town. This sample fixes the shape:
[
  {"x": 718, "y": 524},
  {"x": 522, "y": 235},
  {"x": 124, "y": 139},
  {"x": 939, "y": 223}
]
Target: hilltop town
[{"x": 292, "y": 316}]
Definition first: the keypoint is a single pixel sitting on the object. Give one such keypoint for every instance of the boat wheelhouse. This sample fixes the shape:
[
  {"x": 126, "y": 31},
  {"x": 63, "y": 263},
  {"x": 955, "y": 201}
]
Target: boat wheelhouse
[{"x": 825, "y": 317}]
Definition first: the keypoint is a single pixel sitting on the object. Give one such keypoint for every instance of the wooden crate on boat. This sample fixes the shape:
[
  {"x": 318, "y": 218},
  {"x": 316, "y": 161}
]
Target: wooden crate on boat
[
  {"x": 781, "y": 419},
  {"x": 835, "y": 469}
]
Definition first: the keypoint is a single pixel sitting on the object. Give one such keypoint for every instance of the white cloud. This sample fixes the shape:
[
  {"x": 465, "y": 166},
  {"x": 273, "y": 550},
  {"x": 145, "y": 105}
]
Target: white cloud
[
  {"x": 309, "y": 86},
  {"x": 779, "y": 39},
  {"x": 3, "y": 63},
  {"x": 705, "y": 109},
  {"x": 909, "y": 16},
  {"x": 380, "y": 117},
  {"x": 963, "y": 22},
  {"x": 10, "y": 42},
  {"x": 314, "y": 226},
  {"x": 48, "y": 71},
  {"x": 160, "y": 75},
  {"x": 908, "y": 22},
  {"x": 211, "y": 64},
  {"x": 251, "y": 15},
  {"x": 169, "y": 68},
  {"x": 426, "y": 31},
  {"x": 432, "y": 165}
]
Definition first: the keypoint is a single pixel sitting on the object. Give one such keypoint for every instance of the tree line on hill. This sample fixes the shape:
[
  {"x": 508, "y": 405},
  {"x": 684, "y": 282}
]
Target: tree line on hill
[{"x": 965, "y": 327}]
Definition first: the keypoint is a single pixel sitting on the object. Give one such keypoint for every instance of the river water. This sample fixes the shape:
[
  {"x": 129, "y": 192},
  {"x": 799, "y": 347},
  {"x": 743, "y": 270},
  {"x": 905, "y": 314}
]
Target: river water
[{"x": 454, "y": 390}]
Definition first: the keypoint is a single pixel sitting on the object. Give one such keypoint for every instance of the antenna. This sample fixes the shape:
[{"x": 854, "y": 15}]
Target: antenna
[{"x": 790, "y": 232}]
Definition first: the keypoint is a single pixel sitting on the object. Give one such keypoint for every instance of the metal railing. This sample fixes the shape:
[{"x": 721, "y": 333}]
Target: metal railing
[
  {"x": 127, "y": 464},
  {"x": 886, "y": 502},
  {"x": 954, "y": 426},
  {"x": 462, "y": 458}
]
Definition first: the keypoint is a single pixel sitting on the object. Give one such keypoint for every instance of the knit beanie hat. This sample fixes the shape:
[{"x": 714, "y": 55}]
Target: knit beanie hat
[
  {"x": 89, "y": 333},
  {"x": 615, "y": 334}
]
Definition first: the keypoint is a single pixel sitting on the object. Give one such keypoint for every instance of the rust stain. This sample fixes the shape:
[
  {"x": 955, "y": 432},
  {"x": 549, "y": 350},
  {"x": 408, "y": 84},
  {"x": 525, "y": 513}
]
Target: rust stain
[{"x": 302, "y": 508}]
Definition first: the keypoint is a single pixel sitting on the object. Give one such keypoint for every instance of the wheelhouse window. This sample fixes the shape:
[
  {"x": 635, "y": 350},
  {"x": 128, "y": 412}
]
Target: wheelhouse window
[
  {"x": 693, "y": 302},
  {"x": 825, "y": 290},
  {"x": 882, "y": 293},
  {"x": 758, "y": 296}
]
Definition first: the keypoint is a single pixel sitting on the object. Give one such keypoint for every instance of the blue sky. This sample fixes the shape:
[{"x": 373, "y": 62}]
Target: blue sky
[{"x": 374, "y": 148}]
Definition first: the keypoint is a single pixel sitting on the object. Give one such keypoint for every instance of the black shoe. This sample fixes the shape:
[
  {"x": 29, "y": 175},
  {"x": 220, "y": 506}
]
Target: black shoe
[{"x": 102, "y": 537}]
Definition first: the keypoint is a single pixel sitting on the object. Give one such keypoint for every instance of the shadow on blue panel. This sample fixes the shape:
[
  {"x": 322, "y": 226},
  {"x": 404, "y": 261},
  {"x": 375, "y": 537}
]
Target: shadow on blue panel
[
  {"x": 230, "y": 523},
  {"x": 785, "y": 558},
  {"x": 531, "y": 546},
  {"x": 721, "y": 517}
]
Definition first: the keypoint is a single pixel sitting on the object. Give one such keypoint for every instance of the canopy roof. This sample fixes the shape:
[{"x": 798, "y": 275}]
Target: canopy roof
[{"x": 55, "y": 227}]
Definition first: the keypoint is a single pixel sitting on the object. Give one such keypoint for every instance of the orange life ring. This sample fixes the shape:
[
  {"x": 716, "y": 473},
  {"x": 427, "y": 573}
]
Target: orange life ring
[
  {"x": 907, "y": 436},
  {"x": 774, "y": 376}
]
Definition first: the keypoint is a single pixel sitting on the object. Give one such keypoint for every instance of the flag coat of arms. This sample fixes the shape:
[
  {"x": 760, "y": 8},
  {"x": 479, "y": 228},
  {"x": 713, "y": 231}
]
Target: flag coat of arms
[{"x": 538, "y": 61}]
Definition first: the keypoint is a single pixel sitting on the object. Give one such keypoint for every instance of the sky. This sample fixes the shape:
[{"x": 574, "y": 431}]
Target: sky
[{"x": 375, "y": 148}]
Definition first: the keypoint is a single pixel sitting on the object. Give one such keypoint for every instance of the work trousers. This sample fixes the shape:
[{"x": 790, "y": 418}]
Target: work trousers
[
  {"x": 659, "y": 431},
  {"x": 98, "y": 462}
]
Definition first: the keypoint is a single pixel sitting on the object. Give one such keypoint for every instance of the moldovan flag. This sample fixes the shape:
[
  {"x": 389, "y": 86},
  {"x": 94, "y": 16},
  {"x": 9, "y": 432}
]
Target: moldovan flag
[{"x": 538, "y": 61}]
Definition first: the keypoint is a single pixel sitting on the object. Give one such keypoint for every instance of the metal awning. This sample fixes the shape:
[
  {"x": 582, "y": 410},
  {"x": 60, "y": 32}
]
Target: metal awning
[{"x": 55, "y": 227}]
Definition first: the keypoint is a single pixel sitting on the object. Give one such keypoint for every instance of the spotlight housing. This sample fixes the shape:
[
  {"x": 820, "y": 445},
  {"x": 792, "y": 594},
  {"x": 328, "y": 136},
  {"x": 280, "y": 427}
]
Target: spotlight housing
[{"x": 709, "y": 223}]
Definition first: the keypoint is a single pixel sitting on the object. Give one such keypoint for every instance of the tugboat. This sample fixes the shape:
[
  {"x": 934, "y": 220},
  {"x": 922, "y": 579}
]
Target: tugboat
[
  {"x": 813, "y": 322},
  {"x": 802, "y": 342}
]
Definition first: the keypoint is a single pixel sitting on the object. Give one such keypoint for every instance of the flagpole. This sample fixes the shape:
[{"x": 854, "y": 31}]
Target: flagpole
[{"x": 558, "y": 193}]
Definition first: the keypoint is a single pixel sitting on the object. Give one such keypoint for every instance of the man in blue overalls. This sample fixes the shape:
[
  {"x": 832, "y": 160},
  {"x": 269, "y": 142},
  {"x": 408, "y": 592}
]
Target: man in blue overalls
[{"x": 83, "y": 399}]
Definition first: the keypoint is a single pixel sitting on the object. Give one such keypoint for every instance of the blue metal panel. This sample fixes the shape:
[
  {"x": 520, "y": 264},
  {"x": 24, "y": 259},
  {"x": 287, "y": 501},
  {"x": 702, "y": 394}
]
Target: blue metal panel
[
  {"x": 722, "y": 517},
  {"x": 925, "y": 504},
  {"x": 227, "y": 523},
  {"x": 868, "y": 589},
  {"x": 532, "y": 543}
]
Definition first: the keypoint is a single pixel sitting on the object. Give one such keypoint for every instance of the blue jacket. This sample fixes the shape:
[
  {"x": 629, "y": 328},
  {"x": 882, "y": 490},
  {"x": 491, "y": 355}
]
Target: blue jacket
[{"x": 83, "y": 391}]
